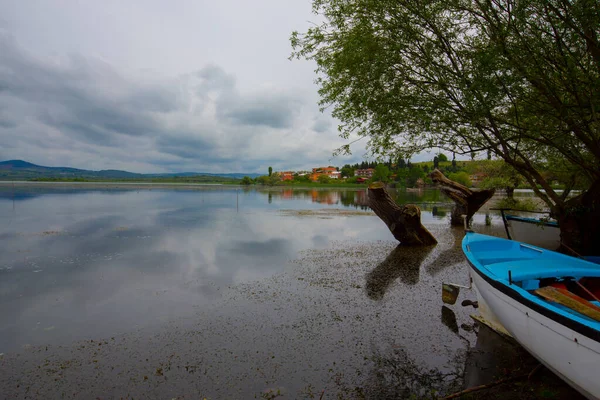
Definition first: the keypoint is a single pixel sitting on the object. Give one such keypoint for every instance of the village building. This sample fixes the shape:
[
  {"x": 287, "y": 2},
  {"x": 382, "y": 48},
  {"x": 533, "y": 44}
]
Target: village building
[
  {"x": 366, "y": 173},
  {"x": 287, "y": 175},
  {"x": 330, "y": 172}
]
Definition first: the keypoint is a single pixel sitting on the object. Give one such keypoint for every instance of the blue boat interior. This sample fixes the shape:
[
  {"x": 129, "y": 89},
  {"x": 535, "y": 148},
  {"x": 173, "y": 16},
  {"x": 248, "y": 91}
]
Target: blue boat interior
[{"x": 526, "y": 268}]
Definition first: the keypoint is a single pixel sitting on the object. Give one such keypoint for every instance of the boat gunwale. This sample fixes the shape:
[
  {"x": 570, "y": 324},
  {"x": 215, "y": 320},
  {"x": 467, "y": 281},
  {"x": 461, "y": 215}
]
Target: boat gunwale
[
  {"x": 569, "y": 322},
  {"x": 528, "y": 220}
]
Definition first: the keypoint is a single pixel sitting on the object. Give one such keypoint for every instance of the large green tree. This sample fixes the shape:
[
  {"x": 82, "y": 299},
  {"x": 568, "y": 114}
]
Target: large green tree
[
  {"x": 517, "y": 78},
  {"x": 347, "y": 171},
  {"x": 381, "y": 174},
  {"x": 500, "y": 175}
]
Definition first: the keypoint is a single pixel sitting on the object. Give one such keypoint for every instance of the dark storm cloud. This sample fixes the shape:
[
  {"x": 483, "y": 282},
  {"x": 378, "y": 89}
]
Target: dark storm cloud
[
  {"x": 89, "y": 100},
  {"x": 194, "y": 148},
  {"x": 77, "y": 110},
  {"x": 272, "y": 111}
]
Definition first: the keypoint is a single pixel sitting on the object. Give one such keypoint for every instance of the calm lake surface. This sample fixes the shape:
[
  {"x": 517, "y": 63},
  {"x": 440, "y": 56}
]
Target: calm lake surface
[
  {"x": 171, "y": 292},
  {"x": 95, "y": 262}
]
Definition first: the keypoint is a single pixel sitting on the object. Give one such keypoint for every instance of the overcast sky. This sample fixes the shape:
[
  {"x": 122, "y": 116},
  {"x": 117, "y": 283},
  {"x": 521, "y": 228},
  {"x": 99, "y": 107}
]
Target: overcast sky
[{"x": 161, "y": 86}]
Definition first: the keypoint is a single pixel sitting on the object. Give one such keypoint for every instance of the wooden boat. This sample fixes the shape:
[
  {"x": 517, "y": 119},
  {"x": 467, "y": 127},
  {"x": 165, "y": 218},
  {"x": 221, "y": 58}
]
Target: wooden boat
[
  {"x": 535, "y": 231},
  {"x": 547, "y": 301}
]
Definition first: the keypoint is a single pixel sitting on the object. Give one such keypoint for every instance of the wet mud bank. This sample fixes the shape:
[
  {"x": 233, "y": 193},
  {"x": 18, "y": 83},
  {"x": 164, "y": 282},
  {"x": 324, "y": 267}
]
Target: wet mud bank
[{"x": 356, "y": 320}]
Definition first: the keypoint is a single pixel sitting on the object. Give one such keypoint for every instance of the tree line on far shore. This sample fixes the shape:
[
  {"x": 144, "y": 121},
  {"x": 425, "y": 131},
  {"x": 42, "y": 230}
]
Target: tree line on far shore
[{"x": 487, "y": 174}]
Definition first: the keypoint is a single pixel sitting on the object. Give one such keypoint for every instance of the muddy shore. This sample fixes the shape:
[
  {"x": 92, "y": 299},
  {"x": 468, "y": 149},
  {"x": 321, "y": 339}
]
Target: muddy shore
[{"x": 358, "y": 320}]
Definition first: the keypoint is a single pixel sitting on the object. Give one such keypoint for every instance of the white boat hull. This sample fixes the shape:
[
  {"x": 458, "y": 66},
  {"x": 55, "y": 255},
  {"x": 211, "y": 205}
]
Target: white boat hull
[
  {"x": 545, "y": 236},
  {"x": 486, "y": 315},
  {"x": 569, "y": 354}
]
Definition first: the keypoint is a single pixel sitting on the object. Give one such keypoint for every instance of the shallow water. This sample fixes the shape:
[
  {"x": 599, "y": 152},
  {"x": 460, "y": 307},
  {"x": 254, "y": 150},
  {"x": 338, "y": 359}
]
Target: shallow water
[
  {"x": 225, "y": 293},
  {"x": 80, "y": 263}
]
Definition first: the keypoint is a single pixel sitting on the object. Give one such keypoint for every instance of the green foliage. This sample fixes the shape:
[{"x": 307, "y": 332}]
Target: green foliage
[
  {"x": 270, "y": 171},
  {"x": 381, "y": 174},
  {"x": 324, "y": 179},
  {"x": 347, "y": 171},
  {"x": 500, "y": 175},
  {"x": 442, "y": 157},
  {"x": 520, "y": 80},
  {"x": 274, "y": 179},
  {"x": 363, "y": 165},
  {"x": 302, "y": 178},
  {"x": 268, "y": 180},
  {"x": 460, "y": 177},
  {"x": 518, "y": 204},
  {"x": 246, "y": 181},
  {"x": 414, "y": 174},
  {"x": 495, "y": 183},
  {"x": 263, "y": 180}
]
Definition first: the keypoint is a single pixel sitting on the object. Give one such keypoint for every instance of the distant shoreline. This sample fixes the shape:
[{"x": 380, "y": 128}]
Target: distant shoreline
[
  {"x": 152, "y": 185},
  {"x": 106, "y": 184}
]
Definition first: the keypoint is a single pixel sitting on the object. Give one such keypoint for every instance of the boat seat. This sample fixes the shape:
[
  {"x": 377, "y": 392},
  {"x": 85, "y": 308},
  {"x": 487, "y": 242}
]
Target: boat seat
[
  {"x": 570, "y": 300},
  {"x": 543, "y": 268}
]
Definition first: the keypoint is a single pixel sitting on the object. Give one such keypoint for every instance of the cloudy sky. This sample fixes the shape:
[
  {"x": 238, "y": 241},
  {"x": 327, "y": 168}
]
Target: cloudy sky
[{"x": 161, "y": 86}]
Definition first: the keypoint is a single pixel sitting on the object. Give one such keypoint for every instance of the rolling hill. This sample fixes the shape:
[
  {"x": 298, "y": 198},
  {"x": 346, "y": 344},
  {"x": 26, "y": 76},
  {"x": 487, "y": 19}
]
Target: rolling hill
[{"x": 23, "y": 170}]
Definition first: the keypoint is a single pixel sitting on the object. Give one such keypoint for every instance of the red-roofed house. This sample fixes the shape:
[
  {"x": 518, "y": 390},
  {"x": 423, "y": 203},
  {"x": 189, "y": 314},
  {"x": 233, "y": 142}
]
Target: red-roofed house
[
  {"x": 287, "y": 176},
  {"x": 331, "y": 172}
]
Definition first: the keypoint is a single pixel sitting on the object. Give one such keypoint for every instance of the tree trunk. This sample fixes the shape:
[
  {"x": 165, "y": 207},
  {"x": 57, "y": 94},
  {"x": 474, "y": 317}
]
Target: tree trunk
[
  {"x": 579, "y": 221},
  {"x": 466, "y": 201},
  {"x": 403, "y": 221},
  {"x": 510, "y": 193}
]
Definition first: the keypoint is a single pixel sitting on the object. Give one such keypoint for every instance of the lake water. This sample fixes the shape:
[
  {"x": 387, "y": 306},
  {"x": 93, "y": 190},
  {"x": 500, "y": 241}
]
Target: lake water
[
  {"x": 224, "y": 292},
  {"x": 79, "y": 263}
]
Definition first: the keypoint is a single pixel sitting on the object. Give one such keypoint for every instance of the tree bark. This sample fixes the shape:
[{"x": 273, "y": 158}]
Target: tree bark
[
  {"x": 510, "y": 193},
  {"x": 579, "y": 222},
  {"x": 466, "y": 201},
  {"x": 403, "y": 221}
]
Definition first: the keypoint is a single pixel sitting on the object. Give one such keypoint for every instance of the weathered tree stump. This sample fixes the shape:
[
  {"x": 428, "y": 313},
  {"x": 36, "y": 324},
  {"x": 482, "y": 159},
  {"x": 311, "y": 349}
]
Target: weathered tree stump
[
  {"x": 403, "y": 221},
  {"x": 466, "y": 201}
]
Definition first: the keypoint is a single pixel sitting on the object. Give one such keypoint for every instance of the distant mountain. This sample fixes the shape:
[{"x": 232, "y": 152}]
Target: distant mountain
[
  {"x": 17, "y": 164},
  {"x": 23, "y": 170}
]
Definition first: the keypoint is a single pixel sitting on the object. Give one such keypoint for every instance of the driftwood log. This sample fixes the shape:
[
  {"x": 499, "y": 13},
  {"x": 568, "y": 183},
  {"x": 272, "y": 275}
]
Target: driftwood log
[
  {"x": 403, "y": 221},
  {"x": 466, "y": 201}
]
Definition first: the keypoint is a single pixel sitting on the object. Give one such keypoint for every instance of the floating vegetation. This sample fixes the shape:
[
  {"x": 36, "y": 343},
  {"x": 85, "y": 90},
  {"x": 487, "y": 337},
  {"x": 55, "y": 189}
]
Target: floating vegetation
[
  {"x": 325, "y": 212},
  {"x": 43, "y": 233}
]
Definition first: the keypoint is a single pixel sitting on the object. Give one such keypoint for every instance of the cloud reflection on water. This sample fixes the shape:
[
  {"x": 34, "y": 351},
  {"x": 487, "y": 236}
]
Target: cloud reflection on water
[{"x": 110, "y": 261}]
